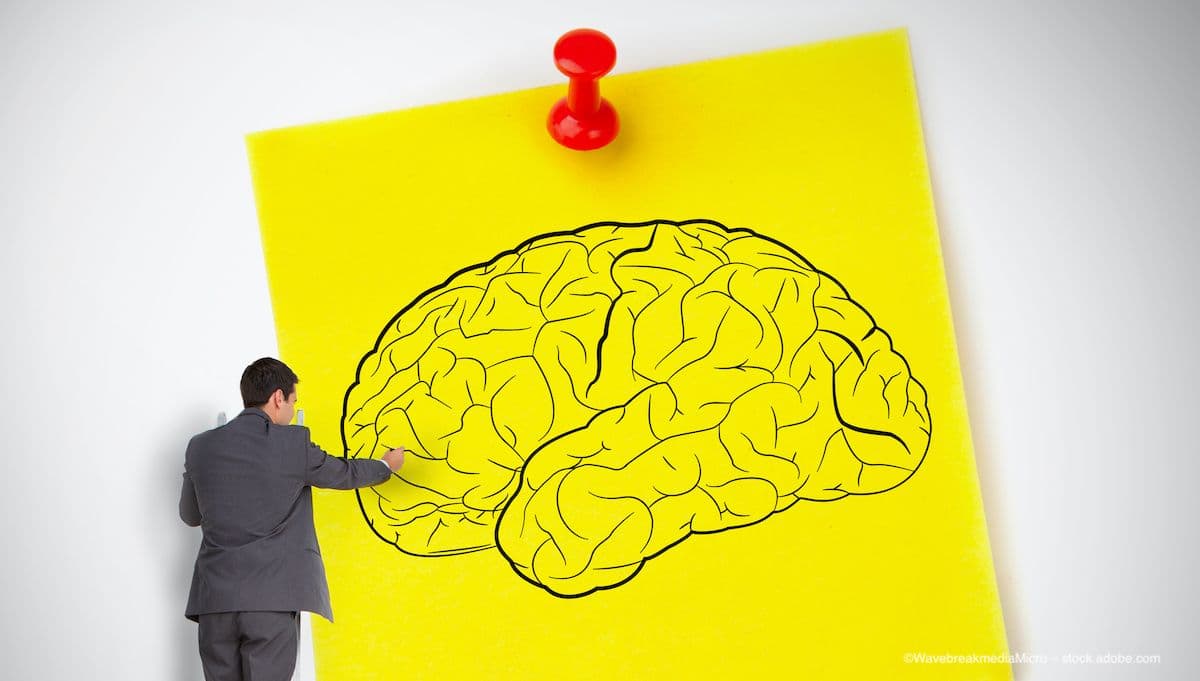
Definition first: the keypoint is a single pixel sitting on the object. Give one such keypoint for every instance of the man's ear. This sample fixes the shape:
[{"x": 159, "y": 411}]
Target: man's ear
[{"x": 277, "y": 398}]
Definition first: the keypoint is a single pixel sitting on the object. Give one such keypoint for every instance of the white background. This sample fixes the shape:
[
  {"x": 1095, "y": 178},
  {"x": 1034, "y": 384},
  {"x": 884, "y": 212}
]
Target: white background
[{"x": 1063, "y": 143}]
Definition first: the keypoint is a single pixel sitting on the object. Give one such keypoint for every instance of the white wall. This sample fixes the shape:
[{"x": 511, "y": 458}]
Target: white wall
[{"x": 1064, "y": 148}]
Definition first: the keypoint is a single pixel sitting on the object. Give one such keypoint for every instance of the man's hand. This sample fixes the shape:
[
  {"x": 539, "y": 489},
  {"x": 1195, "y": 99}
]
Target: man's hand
[{"x": 394, "y": 458}]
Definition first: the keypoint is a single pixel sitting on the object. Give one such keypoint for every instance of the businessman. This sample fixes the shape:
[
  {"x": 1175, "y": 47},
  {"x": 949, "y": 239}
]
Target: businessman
[{"x": 248, "y": 485}]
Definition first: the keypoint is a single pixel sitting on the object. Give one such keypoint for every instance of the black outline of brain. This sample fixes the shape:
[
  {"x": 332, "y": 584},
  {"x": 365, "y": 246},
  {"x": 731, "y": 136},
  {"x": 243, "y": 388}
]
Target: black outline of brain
[{"x": 595, "y": 448}]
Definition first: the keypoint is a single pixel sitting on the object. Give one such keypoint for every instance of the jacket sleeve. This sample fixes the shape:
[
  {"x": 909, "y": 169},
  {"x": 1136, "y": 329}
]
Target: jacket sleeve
[
  {"x": 189, "y": 508},
  {"x": 332, "y": 472}
]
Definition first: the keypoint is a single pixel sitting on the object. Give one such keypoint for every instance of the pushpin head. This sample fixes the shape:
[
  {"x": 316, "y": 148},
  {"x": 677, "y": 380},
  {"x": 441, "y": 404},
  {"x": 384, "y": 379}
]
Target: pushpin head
[
  {"x": 583, "y": 120},
  {"x": 584, "y": 53}
]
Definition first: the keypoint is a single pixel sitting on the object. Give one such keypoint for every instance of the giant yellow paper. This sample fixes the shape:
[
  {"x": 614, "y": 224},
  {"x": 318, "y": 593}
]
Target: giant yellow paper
[{"x": 688, "y": 406}]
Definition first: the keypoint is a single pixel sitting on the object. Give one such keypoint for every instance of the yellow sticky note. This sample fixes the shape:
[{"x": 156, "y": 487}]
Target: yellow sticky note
[{"x": 688, "y": 406}]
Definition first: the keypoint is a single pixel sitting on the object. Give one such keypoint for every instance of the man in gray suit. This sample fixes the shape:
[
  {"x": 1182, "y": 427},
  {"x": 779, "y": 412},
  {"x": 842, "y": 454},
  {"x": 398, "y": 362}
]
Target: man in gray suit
[{"x": 248, "y": 485}]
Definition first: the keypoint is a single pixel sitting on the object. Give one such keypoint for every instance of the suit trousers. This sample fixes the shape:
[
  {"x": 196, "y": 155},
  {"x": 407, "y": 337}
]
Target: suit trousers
[{"x": 249, "y": 646}]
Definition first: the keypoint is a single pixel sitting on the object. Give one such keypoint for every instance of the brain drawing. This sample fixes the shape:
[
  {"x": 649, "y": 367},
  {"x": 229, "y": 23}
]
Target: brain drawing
[{"x": 592, "y": 398}]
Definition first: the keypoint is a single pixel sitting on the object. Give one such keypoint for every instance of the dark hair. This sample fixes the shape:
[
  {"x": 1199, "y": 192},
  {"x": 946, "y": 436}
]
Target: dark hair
[{"x": 261, "y": 379}]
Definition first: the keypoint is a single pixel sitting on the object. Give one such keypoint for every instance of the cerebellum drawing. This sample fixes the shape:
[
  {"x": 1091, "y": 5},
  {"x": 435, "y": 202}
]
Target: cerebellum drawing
[{"x": 592, "y": 398}]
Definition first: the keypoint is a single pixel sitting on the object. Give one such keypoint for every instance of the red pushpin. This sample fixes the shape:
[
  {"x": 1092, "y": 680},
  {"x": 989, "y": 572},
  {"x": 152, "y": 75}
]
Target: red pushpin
[{"x": 583, "y": 120}]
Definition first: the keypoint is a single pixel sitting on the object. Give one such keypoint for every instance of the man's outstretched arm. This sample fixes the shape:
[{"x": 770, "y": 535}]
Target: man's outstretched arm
[{"x": 331, "y": 472}]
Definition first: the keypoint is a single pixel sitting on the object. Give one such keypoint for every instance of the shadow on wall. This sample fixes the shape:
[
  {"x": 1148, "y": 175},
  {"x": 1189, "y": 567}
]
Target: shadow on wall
[
  {"x": 177, "y": 543},
  {"x": 1000, "y": 534}
]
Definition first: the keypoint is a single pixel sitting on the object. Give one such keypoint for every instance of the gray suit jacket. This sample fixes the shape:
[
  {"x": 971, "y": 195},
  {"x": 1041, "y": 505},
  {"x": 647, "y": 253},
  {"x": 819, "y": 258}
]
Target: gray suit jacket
[{"x": 248, "y": 484}]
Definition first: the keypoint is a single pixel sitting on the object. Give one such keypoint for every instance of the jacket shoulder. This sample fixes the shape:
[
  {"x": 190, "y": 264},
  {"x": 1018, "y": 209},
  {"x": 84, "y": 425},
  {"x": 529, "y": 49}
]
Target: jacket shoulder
[
  {"x": 200, "y": 444},
  {"x": 202, "y": 438},
  {"x": 299, "y": 432},
  {"x": 289, "y": 436}
]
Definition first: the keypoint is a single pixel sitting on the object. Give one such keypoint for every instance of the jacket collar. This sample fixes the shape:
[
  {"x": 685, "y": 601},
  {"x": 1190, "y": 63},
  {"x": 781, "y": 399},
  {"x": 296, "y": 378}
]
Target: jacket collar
[{"x": 255, "y": 411}]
